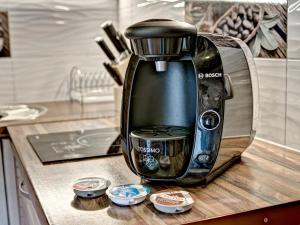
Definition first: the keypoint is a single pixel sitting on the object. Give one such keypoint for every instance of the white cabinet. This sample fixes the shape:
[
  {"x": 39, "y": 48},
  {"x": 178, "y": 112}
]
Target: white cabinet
[
  {"x": 21, "y": 202},
  {"x": 3, "y": 205},
  {"x": 10, "y": 183},
  {"x": 28, "y": 213}
]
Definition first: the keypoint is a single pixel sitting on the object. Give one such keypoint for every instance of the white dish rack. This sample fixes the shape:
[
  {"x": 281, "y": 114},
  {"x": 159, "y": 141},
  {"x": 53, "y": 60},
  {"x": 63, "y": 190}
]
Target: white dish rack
[{"x": 90, "y": 86}]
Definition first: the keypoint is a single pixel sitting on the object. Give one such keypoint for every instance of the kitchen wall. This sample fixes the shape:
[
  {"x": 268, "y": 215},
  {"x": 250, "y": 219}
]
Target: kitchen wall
[
  {"x": 47, "y": 38},
  {"x": 41, "y": 61}
]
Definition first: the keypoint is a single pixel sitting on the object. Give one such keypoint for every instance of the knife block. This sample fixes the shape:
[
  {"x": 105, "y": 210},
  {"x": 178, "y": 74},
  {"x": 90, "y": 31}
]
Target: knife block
[
  {"x": 118, "y": 92},
  {"x": 121, "y": 67}
]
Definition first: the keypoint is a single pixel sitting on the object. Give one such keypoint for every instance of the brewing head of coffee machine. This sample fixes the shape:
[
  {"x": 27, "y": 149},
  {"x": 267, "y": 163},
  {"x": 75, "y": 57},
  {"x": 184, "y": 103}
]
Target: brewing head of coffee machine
[{"x": 160, "y": 40}]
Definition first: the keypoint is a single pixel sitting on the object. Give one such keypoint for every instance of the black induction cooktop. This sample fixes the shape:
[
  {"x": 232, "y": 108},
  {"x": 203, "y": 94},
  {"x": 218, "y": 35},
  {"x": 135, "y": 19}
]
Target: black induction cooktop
[{"x": 55, "y": 147}]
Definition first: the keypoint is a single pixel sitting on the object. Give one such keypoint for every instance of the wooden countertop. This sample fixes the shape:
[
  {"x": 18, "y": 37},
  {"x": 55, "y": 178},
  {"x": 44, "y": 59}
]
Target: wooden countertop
[
  {"x": 66, "y": 110},
  {"x": 267, "y": 175}
]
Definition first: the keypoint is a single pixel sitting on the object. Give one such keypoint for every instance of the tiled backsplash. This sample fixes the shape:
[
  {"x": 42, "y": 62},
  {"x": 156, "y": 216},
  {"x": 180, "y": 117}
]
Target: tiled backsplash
[
  {"x": 272, "y": 94},
  {"x": 7, "y": 89},
  {"x": 49, "y": 37},
  {"x": 293, "y": 76},
  {"x": 293, "y": 104},
  {"x": 293, "y": 29},
  {"x": 131, "y": 11}
]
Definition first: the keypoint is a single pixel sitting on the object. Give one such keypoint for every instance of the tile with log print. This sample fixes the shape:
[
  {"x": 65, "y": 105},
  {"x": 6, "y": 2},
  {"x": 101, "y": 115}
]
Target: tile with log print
[{"x": 294, "y": 29}]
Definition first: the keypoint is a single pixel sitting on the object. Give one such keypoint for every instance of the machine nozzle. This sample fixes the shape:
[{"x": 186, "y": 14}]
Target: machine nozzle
[{"x": 161, "y": 66}]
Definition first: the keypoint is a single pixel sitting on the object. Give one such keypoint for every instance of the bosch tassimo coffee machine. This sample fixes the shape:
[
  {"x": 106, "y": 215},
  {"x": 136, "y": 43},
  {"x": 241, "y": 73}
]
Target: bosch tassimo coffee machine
[{"x": 189, "y": 102}]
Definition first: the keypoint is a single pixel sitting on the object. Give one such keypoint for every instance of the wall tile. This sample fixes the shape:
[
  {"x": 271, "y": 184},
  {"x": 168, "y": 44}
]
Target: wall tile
[
  {"x": 47, "y": 78},
  {"x": 6, "y": 81},
  {"x": 293, "y": 104},
  {"x": 48, "y": 33},
  {"x": 48, "y": 38},
  {"x": 293, "y": 29},
  {"x": 56, "y": 5},
  {"x": 131, "y": 11},
  {"x": 272, "y": 99}
]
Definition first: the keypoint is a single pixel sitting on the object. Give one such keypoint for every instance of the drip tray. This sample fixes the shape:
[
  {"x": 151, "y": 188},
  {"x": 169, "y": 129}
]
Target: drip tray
[{"x": 74, "y": 145}]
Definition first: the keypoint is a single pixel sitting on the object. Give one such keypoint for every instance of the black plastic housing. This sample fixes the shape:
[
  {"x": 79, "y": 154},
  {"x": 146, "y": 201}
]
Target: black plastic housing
[
  {"x": 161, "y": 39},
  {"x": 189, "y": 94}
]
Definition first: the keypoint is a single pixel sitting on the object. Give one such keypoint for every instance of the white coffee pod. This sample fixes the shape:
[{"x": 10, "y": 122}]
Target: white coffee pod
[
  {"x": 172, "y": 201},
  {"x": 90, "y": 187},
  {"x": 128, "y": 194}
]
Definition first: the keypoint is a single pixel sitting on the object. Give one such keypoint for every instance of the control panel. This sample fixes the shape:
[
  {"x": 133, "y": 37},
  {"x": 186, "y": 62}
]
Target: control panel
[
  {"x": 209, "y": 120},
  {"x": 210, "y": 110}
]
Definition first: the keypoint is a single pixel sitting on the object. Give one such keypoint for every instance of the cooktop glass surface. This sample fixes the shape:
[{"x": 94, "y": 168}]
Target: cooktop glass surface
[{"x": 53, "y": 147}]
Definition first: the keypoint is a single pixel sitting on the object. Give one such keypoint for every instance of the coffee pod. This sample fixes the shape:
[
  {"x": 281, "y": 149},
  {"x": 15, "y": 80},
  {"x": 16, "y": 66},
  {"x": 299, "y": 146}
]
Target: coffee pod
[
  {"x": 172, "y": 201},
  {"x": 90, "y": 187},
  {"x": 128, "y": 194}
]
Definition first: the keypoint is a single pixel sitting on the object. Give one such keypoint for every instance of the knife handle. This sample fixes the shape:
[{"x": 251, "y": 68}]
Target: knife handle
[
  {"x": 115, "y": 75},
  {"x": 113, "y": 35},
  {"x": 100, "y": 41},
  {"x": 124, "y": 43}
]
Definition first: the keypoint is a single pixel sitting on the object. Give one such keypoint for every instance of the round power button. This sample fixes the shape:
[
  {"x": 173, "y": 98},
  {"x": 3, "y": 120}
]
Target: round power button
[{"x": 209, "y": 120}]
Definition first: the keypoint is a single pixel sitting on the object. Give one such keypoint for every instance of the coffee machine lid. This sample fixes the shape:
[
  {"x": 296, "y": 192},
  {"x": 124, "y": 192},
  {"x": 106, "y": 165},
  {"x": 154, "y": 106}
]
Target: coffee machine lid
[{"x": 160, "y": 28}]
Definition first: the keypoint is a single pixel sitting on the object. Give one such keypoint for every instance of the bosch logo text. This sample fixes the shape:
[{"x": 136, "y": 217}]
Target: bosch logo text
[{"x": 209, "y": 75}]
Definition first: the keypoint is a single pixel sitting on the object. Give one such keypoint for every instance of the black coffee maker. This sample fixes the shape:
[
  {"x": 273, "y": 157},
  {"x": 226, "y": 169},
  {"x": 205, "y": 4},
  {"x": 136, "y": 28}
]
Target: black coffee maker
[{"x": 189, "y": 104}]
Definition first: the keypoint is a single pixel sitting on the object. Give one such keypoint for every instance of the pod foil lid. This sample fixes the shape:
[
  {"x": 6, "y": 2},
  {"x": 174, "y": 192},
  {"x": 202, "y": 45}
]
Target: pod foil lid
[{"x": 172, "y": 201}]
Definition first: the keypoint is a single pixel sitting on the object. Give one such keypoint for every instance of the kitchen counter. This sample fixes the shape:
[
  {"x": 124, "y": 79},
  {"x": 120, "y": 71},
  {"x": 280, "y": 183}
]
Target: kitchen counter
[
  {"x": 268, "y": 175},
  {"x": 66, "y": 110}
]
